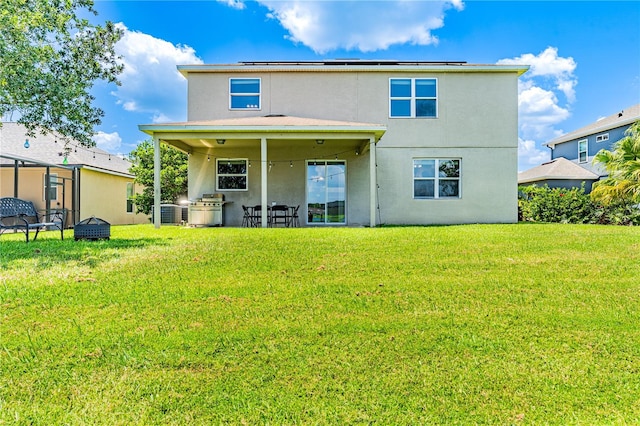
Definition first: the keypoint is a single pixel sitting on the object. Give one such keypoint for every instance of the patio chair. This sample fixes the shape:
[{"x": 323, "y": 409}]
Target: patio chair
[
  {"x": 294, "y": 220},
  {"x": 247, "y": 219},
  {"x": 256, "y": 216},
  {"x": 280, "y": 215}
]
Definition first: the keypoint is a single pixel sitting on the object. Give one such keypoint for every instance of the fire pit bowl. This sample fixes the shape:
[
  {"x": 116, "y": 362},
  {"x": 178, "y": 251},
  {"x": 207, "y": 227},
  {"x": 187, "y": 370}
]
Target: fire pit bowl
[{"x": 92, "y": 229}]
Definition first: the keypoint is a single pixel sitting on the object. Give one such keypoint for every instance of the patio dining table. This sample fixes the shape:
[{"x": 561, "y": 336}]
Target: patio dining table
[{"x": 278, "y": 214}]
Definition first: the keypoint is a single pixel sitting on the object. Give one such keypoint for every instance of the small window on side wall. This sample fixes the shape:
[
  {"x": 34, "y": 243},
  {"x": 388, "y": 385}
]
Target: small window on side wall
[
  {"x": 436, "y": 178},
  {"x": 603, "y": 137},
  {"x": 129, "y": 197},
  {"x": 231, "y": 174},
  {"x": 52, "y": 186},
  {"x": 244, "y": 93}
]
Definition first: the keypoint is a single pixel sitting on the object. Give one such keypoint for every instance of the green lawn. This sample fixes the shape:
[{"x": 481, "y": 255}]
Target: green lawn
[{"x": 501, "y": 324}]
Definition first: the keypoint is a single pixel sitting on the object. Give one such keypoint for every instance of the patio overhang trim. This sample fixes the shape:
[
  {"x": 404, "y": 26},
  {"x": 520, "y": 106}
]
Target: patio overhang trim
[{"x": 197, "y": 131}]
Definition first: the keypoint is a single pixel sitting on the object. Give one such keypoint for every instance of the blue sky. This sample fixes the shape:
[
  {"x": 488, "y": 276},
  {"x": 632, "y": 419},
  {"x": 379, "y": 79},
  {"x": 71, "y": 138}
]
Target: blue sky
[{"x": 584, "y": 55}]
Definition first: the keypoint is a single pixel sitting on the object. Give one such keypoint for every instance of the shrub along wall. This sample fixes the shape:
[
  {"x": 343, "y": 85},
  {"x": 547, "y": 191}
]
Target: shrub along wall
[{"x": 561, "y": 205}]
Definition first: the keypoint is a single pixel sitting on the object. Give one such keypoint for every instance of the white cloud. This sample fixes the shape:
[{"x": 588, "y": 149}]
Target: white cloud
[
  {"x": 549, "y": 65},
  {"x": 108, "y": 141},
  {"x": 530, "y": 155},
  {"x": 360, "y": 25},
  {"x": 545, "y": 95},
  {"x": 539, "y": 112},
  {"x": 236, "y": 4},
  {"x": 150, "y": 81}
]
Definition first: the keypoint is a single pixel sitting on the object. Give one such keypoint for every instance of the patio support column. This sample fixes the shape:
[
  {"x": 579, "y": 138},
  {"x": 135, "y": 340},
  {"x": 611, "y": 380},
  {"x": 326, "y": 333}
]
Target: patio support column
[
  {"x": 263, "y": 191},
  {"x": 373, "y": 183},
  {"x": 156, "y": 182}
]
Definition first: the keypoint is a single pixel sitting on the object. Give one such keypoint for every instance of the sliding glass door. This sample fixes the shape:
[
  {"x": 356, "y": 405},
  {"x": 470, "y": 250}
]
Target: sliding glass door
[{"x": 326, "y": 192}]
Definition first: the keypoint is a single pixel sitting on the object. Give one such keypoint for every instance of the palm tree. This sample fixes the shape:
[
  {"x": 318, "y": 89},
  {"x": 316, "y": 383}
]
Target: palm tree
[{"x": 623, "y": 166}]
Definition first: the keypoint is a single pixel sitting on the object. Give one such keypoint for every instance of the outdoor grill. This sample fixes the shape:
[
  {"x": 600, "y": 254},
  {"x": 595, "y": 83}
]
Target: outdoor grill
[
  {"x": 207, "y": 211},
  {"x": 92, "y": 229}
]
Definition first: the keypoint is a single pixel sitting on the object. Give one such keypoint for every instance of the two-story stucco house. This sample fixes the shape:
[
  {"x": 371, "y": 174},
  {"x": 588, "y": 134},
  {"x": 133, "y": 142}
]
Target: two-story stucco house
[
  {"x": 353, "y": 142},
  {"x": 571, "y": 163}
]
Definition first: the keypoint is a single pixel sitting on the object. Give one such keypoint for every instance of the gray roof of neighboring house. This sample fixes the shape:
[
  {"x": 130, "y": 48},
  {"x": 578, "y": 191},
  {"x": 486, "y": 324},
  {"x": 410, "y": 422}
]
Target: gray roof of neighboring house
[
  {"x": 558, "y": 169},
  {"x": 619, "y": 119},
  {"x": 48, "y": 149}
]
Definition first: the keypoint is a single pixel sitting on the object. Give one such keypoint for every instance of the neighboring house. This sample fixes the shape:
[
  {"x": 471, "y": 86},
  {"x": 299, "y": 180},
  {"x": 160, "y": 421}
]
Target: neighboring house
[
  {"x": 353, "y": 142},
  {"x": 559, "y": 173},
  {"x": 579, "y": 147},
  {"x": 91, "y": 183}
]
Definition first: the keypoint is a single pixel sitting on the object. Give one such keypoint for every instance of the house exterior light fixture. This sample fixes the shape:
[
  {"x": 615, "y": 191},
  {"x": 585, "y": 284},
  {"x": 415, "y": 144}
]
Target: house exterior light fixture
[
  {"x": 220, "y": 141},
  {"x": 319, "y": 141}
]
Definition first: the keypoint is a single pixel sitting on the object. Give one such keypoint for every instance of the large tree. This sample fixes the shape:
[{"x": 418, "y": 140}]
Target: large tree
[
  {"x": 173, "y": 174},
  {"x": 623, "y": 165},
  {"x": 50, "y": 58}
]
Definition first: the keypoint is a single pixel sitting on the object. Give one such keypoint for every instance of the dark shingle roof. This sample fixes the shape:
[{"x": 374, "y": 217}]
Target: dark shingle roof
[
  {"x": 49, "y": 148},
  {"x": 558, "y": 169}
]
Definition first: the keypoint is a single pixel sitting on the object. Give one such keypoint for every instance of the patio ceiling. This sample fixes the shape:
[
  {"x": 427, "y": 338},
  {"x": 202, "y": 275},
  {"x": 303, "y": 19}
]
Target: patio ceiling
[{"x": 203, "y": 135}]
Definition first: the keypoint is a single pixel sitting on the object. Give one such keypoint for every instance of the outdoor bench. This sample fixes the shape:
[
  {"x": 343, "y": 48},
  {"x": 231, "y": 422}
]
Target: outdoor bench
[{"x": 22, "y": 216}]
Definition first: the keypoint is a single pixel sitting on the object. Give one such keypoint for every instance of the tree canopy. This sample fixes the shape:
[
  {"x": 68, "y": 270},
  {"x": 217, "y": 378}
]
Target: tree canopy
[
  {"x": 173, "y": 174},
  {"x": 623, "y": 166},
  {"x": 50, "y": 58}
]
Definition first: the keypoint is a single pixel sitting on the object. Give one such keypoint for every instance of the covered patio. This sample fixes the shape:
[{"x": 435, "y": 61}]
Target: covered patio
[{"x": 276, "y": 159}]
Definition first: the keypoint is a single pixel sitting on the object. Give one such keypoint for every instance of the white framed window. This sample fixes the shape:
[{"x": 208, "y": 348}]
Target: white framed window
[
  {"x": 435, "y": 178},
  {"x": 603, "y": 137},
  {"x": 582, "y": 151},
  {"x": 413, "y": 98},
  {"x": 53, "y": 187},
  {"x": 129, "y": 197},
  {"x": 244, "y": 93},
  {"x": 232, "y": 174}
]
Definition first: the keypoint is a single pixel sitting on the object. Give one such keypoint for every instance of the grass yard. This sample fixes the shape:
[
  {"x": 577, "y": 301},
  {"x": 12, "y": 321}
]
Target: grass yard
[{"x": 501, "y": 324}]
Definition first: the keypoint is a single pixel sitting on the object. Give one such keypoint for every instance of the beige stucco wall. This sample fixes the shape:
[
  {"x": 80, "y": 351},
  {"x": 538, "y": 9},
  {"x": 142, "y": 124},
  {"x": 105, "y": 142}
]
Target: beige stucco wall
[
  {"x": 105, "y": 196},
  {"x": 477, "y": 123},
  {"x": 31, "y": 186}
]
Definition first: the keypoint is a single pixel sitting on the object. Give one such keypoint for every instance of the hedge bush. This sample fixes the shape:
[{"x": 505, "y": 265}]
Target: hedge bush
[{"x": 562, "y": 205}]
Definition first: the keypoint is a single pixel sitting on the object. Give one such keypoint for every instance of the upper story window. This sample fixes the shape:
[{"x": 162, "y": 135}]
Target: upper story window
[
  {"x": 436, "y": 178},
  {"x": 244, "y": 93},
  {"x": 582, "y": 151},
  {"x": 232, "y": 174},
  {"x": 603, "y": 137},
  {"x": 413, "y": 97}
]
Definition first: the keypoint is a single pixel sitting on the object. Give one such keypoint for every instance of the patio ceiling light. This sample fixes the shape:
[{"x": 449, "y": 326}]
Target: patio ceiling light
[
  {"x": 319, "y": 141},
  {"x": 220, "y": 141}
]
